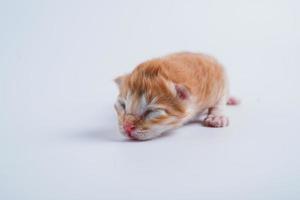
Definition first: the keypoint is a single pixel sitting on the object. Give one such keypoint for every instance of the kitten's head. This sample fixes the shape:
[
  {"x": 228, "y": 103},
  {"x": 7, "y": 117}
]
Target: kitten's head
[{"x": 149, "y": 104}]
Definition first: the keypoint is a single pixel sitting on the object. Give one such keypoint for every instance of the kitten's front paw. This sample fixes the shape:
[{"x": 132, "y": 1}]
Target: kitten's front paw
[{"x": 216, "y": 121}]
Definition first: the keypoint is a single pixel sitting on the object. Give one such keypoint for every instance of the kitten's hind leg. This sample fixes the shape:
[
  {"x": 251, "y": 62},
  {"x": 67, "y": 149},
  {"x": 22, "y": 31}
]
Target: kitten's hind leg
[{"x": 215, "y": 117}]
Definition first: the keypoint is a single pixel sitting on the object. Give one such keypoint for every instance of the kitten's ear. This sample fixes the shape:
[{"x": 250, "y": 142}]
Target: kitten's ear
[
  {"x": 119, "y": 80},
  {"x": 180, "y": 91}
]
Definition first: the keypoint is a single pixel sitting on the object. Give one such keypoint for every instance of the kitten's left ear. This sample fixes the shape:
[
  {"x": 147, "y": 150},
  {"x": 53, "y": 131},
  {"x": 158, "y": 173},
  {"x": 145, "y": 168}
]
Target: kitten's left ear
[
  {"x": 180, "y": 91},
  {"x": 119, "y": 80}
]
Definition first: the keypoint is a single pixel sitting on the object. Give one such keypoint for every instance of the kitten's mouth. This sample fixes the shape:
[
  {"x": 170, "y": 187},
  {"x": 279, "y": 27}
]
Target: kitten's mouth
[
  {"x": 137, "y": 135},
  {"x": 131, "y": 136}
]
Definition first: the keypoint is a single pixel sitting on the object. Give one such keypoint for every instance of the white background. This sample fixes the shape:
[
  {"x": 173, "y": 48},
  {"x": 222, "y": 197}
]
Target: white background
[{"x": 58, "y": 131}]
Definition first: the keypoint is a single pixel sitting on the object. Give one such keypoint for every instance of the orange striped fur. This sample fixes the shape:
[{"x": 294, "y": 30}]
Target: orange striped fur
[{"x": 166, "y": 92}]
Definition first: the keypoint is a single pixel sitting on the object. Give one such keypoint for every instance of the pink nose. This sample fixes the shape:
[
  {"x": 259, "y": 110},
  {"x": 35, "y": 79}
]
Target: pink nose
[{"x": 129, "y": 127}]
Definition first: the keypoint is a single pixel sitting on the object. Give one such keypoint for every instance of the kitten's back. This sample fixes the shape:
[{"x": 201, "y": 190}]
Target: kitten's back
[{"x": 201, "y": 74}]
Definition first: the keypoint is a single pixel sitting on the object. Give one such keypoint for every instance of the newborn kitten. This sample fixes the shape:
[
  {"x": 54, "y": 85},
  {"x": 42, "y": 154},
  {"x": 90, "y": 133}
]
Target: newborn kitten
[{"x": 167, "y": 92}]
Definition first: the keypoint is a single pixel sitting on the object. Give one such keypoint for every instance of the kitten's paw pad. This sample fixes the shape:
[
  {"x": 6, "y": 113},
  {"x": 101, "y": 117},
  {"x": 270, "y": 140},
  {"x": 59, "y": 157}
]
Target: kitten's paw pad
[{"x": 216, "y": 121}]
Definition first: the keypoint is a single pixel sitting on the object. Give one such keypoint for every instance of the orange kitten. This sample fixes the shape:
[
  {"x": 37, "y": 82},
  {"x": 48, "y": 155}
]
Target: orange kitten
[{"x": 165, "y": 93}]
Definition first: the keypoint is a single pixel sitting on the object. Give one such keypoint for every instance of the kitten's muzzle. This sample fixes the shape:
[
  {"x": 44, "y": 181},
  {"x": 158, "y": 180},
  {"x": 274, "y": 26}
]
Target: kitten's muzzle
[{"x": 129, "y": 128}]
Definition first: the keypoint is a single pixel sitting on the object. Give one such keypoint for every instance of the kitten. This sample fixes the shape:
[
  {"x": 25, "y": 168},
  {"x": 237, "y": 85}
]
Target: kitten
[{"x": 167, "y": 92}]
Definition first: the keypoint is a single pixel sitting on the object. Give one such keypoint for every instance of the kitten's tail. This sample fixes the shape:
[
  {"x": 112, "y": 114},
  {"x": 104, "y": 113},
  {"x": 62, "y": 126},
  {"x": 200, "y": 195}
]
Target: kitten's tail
[{"x": 233, "y": 101}]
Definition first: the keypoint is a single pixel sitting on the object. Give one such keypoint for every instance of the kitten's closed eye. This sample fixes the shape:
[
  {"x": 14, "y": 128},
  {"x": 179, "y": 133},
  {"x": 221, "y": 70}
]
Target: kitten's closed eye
[
  {"x": 122, "y": 104},
  {"x": 153, "y": 113}
]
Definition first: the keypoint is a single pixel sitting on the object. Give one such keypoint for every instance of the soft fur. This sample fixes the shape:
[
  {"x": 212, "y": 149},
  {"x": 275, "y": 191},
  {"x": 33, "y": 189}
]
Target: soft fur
[{"x": 165, "y": 93}]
